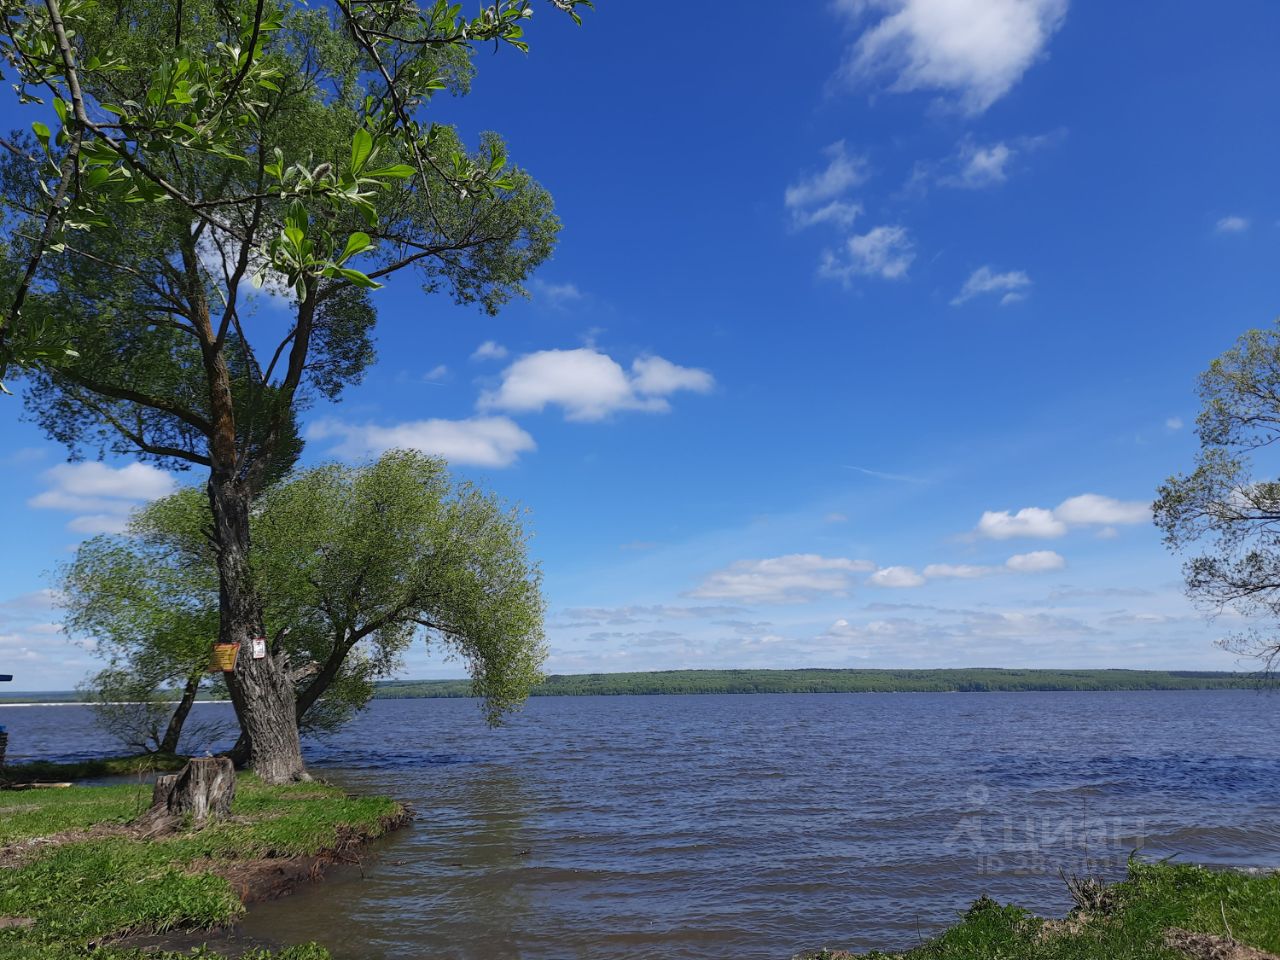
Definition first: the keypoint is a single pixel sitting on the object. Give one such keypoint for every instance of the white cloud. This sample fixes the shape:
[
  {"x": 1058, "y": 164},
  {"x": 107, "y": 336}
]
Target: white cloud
[
  {"x": 1038, "y": 561},
  {"x": 590, "y": 385},
  {"x": 1091, "y": 508},
  {"x": 835, "y": 518},
  {"x": 478, "y": 441},
  {"x": 654, "y": 376},
  {"x": 1027, "y": 522},
  {"x": 956, "y": 571},
  {"x": 896, "y": 577},
  {"x": 982, "y": 166},
  {"x": 436, "y": 373},
  {"x": 974, "y": 49},
  {"x": 842, "y": 173},
  {"x": 557, "y": 294},
  {"x": 136, "y": 481},
  {"x": 1232, "y": 224},
  {"x": 1174, "y": 423},
  {"x": 794, "y": 578},
  {"x": 840, "y": 213},
  {"x": 103, "y": 495},
  {"x": 884, "y": 251},
  {"x": 1088, "y": 509},
  {"x": 489, "y": 350},
  {"x": 985, "y": 280}
]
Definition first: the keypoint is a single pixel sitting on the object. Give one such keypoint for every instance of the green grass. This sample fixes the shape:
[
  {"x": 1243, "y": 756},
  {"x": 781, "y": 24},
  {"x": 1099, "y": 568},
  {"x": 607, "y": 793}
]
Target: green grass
[
  {"x": 1153, "y": 899},
  {"x": 89, "y": 889}
]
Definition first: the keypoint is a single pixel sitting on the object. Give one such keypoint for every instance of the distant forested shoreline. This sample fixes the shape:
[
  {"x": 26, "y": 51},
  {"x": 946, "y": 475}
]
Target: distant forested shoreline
[
  {"x": 969, "y": 680},
  {"x": 666, "y": 682}
]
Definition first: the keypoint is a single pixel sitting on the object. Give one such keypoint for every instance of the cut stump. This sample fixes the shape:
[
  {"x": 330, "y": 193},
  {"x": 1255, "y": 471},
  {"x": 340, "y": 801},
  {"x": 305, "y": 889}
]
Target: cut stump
[{"x": 204, "y": 788}]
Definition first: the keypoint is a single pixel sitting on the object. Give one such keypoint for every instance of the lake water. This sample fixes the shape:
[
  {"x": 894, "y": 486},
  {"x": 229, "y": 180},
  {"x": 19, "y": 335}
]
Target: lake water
[{"x": 756, "y": 826}]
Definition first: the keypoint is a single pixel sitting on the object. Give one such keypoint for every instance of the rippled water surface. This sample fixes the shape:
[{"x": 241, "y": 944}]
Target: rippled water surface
[{"x": 755, "y": 826}]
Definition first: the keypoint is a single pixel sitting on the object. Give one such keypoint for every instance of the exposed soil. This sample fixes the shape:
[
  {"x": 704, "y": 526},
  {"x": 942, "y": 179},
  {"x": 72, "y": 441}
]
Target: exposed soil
[
  {"x": 1207, "y": 946},
  {"x": 16, "y": 854},
  {"x": 269, "y": 878}
]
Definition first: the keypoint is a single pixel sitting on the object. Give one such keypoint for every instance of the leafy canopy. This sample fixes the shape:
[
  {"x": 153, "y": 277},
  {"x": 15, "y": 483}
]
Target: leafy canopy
[
  {"x": 352, "y": 563},
  {"x": 289, "y": 138},
  {"x": 1229, "y": 505}
]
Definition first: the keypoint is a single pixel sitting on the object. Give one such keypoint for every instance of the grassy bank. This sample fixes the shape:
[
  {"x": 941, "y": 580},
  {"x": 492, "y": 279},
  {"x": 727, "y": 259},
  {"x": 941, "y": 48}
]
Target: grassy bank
[
  {"x": 1160, "y": 912},
  {"x": 76, "y": 880}
]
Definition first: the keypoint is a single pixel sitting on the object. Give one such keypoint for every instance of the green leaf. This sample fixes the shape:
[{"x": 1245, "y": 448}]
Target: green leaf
[
  {"x": 400, "y": 171},
  {"x": 356, "y": 243},
  {"x": 361, "y": 147},
  {"x": 356, "y": 278}
]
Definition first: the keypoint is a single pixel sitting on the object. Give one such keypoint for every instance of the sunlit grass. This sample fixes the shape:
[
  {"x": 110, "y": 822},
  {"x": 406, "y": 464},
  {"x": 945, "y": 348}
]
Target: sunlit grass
[{"x": 83, "y": 890}]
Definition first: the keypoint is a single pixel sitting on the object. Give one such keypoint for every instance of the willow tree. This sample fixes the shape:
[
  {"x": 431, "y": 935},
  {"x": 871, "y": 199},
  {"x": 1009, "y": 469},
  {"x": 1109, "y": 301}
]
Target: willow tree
[
  {"x": 147, "y": 599},
  {"x": 1227, "y": 509},
  {"x": 183, "y": 153},
  {"x": 352, "y": 564}
]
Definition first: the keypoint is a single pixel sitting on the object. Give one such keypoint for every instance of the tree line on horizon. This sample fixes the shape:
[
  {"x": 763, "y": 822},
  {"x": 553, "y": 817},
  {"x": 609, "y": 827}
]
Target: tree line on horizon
[{"x": 818, "y": 680}]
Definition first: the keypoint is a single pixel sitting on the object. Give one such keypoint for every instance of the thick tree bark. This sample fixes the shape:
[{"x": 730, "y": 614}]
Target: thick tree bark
[
  {"x": 173, "y": 733},
  {"x": 261, "y": 689},
  {"x": 204, "y": 788}
]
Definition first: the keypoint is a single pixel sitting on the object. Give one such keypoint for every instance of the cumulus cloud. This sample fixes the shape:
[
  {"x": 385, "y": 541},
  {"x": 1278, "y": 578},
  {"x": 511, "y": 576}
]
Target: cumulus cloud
[
  {"x": 489, "y": 350},
  {"x": 590, "y": 385},
  {"x": 973, "y": 50},
  {"x": 1038, "y": 561},
  {"x": 1091, "y": 508},
  {"x": 1088, "y": 509},
  {"x": 896, "y": 577},
  {"x": 985, "y": 280},
  {"x": 478, "y": 441},
  {"x": 103, "y": 496},
  {"x": 1232, "y": 224},
  {"x": 1027, "y": 522},
  {"x": 884, "y": 251},
  {"x": 794, "y": 578}
]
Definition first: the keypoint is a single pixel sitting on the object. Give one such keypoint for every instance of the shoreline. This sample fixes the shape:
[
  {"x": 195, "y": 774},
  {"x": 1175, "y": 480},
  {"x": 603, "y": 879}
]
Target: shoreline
[{"x": 80, "y": 869}]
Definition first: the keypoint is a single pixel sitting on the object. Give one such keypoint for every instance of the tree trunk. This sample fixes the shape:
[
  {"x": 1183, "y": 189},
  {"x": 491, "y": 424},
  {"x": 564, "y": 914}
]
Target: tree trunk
[
  {"x": 173, "y": 733},
  {"x": 261, "y": 689},
  {"x": 204, "y": 788},
  {"x": 239, "y": 754}
]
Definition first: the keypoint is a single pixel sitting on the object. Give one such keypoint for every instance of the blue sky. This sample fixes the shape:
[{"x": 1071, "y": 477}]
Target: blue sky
[{"x": 872, "y": 330}]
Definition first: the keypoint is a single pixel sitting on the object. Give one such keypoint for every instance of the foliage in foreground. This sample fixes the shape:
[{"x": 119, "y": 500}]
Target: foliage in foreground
[
  {"x": 86, "y": 889},
  {"x": 1154, "y": 899}
]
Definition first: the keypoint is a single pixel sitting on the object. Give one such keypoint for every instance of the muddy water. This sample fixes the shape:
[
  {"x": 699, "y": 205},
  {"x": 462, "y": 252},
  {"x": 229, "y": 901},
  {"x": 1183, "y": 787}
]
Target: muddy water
[{"x": 755, "y": 826}]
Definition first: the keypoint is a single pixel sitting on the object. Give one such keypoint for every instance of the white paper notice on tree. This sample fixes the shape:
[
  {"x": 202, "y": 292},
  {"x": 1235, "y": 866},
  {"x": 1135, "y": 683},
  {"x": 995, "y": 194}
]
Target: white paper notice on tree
[{"x": 259, "y": 648}]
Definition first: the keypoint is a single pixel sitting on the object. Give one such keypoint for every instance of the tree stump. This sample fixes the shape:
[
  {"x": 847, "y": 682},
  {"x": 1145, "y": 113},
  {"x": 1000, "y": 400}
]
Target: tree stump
[{"x": 202, "y": 789}]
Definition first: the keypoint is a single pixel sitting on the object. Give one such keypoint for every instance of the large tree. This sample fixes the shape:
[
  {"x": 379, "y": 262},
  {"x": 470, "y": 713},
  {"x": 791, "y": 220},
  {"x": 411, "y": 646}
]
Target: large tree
[
  {"x": 205, "y": 146},
  {"x": 1228, "y": 507},
  {"x": 351, "y": 564}
]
